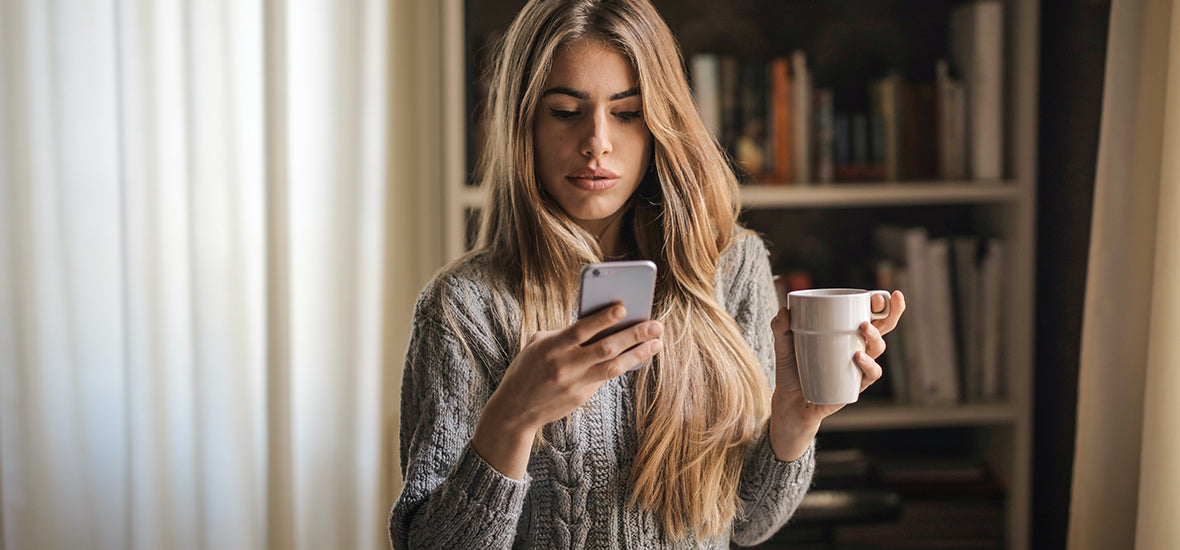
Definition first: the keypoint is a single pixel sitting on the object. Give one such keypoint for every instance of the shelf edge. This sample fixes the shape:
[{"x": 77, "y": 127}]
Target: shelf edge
[{"x": 886, "y": 417}]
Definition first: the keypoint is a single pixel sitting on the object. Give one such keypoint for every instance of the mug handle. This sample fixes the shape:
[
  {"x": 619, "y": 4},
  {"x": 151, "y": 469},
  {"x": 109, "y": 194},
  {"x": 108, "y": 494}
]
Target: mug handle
[{"x": 885, "y": 312}]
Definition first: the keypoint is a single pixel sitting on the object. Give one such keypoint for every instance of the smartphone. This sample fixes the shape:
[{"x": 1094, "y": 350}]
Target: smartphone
[{"x": 631, "y": 282}]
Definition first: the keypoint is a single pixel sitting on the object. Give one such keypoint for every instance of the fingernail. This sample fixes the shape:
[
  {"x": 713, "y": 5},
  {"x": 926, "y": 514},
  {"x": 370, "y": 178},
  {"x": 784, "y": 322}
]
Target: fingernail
[{"x": 656, "y": 346}]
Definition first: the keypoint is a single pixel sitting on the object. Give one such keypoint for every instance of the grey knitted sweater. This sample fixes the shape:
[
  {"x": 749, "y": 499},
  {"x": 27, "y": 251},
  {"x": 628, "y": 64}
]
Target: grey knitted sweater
[{"x": 576, "y": 492}]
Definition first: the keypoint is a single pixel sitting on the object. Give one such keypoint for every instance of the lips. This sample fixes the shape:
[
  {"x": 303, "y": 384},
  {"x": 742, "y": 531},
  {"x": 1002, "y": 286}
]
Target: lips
[{"x": 593, "y": 179}]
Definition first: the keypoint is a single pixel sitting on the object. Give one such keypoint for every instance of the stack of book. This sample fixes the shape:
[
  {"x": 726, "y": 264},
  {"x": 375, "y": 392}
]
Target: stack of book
[
  {"x": 948, "y": 502},
  {"x": 782, "y": 128},
  {"x": 760, "y": 111},
  {"x": 947, "y": 348}
]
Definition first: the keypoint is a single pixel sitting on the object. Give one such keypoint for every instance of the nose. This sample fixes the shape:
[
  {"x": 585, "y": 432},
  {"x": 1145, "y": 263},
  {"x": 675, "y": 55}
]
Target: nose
[{"x": 597, "y": 143}]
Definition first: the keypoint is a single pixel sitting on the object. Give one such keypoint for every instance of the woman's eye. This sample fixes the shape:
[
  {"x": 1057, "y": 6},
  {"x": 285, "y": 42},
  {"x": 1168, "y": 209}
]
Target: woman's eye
[
  {"x": 558, "y": 113},
  {"x": 628, "y": 116}
]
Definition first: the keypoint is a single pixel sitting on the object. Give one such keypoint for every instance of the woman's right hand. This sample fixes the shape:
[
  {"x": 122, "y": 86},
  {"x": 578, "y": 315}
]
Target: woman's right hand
[{"x": 554, "y": 374}]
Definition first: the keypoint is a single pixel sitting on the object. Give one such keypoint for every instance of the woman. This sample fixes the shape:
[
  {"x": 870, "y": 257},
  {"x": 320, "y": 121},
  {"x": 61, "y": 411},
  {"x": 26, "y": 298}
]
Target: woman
[{"x": 515, "y": 430}]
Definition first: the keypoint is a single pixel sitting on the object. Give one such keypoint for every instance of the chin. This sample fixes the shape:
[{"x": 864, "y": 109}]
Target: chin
[{"x": 593, "y": 212}]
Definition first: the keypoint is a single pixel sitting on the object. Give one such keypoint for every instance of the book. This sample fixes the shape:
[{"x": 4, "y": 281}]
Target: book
[
  {"x": 801, "y": 118},
  {"x": 885, "y": 98},
  {"x": 706, "y": 88},
  {"x": 895, "y": 368},
  {"x": 966, "y": 276},
  {"x": 943, "y": 383},
  {"x": 932, "y": 523},
  {"x": 919, "y": 131},
  {"x": 951, "y": 138},
  {"x": 781, "y": 126},
  {"x": 991, "y": 303},
  {"x": 930, "y": 469},
  {"x": 730, "y": 74},
  {"x": 977, "y": 49},
  {"x": 860, "y": 139},
  {"x": 825, "y": 136},
  {"x": 842, "y": 140},
  {"x": 876, "y": 141}
]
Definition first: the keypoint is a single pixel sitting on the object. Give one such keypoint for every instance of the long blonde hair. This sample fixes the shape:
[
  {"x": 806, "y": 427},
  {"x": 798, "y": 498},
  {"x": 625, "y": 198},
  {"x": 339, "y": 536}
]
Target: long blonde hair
[{"x": 705, "y": 398}]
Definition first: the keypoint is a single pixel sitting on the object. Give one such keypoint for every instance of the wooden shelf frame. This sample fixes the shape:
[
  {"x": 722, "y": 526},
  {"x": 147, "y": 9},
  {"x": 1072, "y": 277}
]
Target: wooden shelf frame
[
  {"x": 887, "y": 416},
  {"x": 884, "y": 194}
]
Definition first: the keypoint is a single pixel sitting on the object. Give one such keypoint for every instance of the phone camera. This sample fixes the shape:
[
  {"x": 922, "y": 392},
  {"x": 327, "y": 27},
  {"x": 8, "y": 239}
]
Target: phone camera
[{"x": 596, "y": 273}]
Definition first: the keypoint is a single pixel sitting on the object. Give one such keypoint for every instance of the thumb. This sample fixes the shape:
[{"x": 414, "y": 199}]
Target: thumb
[{"x": 784, "y": 340}]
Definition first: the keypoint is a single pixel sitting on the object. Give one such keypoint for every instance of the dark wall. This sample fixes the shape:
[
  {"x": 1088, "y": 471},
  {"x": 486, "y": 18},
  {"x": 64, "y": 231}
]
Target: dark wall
[{"x": 1073, "y": 54}]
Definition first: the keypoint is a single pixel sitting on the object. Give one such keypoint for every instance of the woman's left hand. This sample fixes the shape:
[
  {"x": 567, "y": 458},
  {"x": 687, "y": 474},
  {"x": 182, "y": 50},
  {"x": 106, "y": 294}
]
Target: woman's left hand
[{"x": 793, "y": 421}]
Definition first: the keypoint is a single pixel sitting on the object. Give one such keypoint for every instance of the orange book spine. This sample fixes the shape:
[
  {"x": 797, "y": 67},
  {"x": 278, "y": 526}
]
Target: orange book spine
[{"x": 780, "y": 81}]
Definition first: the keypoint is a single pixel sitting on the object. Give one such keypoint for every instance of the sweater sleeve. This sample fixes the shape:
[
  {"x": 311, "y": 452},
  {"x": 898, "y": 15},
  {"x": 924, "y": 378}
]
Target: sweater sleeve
[
  {"x": 769, "y": 488},
  {"x": 451, "y": 497}
]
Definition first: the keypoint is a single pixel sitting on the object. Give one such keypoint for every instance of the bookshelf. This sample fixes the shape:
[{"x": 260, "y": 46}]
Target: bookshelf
[
  {"x": 885, "y": 416},
  {"x": 848, "y": 195},
  {"x": 1000, "y": 207}
]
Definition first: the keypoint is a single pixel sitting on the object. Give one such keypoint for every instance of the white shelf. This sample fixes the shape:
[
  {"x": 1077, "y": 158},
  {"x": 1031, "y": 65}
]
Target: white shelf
[
  {"x": 885, "y": 416},
  {"x": 847, "y": 194},
  {"x": 878, "y": 194}
]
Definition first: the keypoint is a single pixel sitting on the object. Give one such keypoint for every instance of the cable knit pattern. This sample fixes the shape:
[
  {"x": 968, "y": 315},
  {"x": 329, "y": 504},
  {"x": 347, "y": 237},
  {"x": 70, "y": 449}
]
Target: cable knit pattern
[{"x": 578, "y": 485}]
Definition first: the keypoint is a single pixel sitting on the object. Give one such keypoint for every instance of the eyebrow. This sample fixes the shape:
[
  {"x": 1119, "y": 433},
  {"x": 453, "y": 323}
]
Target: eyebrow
[{"x": 578, "y": 94}]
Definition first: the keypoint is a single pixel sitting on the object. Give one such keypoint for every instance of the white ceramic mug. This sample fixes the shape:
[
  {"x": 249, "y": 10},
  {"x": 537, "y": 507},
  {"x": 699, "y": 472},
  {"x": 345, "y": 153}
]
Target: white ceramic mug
[{"x": 826, "y": 323}]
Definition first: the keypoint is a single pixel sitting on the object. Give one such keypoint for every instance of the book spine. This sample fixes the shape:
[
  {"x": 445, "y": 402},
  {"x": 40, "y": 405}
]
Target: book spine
[
  {"x": 886, "y": 275},
  {"x": 825, "y": 136},
  {"x": 706, "y": 87},
  {"x": 991, "y": 303},
  {"x": 945, "y": 371},
  {"x": 884, "y": 100},
  {"x": 977, "y": 46},
  {"x": 842, "y": 141},
  {"x": 945, "y": 139},
  {"x": 730, "y": 101},
  {"x": 781, "y": 123},
  {"x": 966, "y": 251},
  {"x": 801, "y": 118}
]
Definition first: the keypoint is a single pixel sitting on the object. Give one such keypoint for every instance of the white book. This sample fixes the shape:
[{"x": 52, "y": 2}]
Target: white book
[
  {"x": 991, "y": 303},
  {"x": 800, "y": 118},
  {"x": 889, "y": 277},
  {"x": 912, "y": 346},
  {"x": 977, "y": 47},
  {"x": 966, "y": 261},
  {"x": 706, "y": 90},
  {"x": 944, "y": 366},
  {"x": 907, "y": 247}
]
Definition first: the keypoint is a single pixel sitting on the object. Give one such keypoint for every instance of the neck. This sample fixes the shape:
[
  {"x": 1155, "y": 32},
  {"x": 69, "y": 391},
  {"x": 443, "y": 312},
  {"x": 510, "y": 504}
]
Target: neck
[{"x": 608, "y": 231}]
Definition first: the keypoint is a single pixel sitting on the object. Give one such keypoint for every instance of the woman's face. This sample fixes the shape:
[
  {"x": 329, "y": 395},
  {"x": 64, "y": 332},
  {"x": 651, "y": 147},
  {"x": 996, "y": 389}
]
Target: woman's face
[{"x": 592, "y": 144}]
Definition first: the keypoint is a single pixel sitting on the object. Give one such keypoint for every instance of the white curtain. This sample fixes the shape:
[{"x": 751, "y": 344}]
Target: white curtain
[
  {"x": 200, "y": 319},
  {"x": 1126, "y": 480}
]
